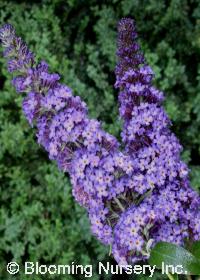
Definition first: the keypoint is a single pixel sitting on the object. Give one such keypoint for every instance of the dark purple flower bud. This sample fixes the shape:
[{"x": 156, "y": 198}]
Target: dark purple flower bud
[
  {"x": 7, "y": 34},
  {"x": 19, "y": 83},
  {"x": 31, "y": 106}
]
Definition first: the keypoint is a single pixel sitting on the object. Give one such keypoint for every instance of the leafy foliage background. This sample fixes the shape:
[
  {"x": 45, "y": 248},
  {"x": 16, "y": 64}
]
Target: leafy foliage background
[{"x": 39, "y": 220}]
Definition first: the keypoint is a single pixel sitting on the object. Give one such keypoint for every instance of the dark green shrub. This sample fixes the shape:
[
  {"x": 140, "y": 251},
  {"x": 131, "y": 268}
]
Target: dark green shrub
[{"x": 39, "y": 219}]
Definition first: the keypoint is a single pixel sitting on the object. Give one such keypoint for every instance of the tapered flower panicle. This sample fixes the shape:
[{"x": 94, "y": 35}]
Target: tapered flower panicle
[
  {"x": 15, "y": 49},
  {"x": 128, "y": 48},
  {"x": 156, "y": 154},
  {"x": 134, "y": 197},
  {"x": 133, "y": 75},
  {"x": 98, "y": 170}
]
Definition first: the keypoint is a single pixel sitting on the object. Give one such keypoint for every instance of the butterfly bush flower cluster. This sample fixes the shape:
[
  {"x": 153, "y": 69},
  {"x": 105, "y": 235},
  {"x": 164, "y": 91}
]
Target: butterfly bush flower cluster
[
  {"x": 136, "y": 194},
  {"x": 171, "y": 212}
]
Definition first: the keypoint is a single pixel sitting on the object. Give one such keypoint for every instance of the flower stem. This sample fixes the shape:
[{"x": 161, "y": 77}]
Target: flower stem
[
  {"x": 170, "y": 276},
  {"x": 119, "y": 203},
  {"x": 110, "y": 250},
  {"x": 148, "y": 193}
]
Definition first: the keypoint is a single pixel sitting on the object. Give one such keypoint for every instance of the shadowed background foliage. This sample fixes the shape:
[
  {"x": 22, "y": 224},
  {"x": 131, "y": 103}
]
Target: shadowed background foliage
[{"x": 39, "y": 220}]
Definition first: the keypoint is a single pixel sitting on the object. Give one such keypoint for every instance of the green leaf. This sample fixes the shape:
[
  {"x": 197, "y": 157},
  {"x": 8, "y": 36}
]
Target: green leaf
[
  {"x": 175, "y": 277},
  {"x": 195, "y": 249},
  {"x": 170, "y": 254},
  {"x": 172, "y": 277}
]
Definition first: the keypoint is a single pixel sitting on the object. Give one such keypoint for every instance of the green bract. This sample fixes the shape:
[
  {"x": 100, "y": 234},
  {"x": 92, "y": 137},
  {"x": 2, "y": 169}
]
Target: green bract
[{"x": 164, "y": 254}]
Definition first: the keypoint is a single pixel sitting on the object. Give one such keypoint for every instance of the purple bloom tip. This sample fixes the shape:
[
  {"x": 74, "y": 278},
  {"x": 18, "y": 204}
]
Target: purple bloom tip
[
  {"x": 126, "y": 24},
  {"x": 7, "y": 32}
]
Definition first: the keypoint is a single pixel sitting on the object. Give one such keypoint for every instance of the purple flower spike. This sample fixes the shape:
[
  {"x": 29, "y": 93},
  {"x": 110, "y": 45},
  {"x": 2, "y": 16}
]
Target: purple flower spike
[
  {"x": 7, "y": 33},
  {"x": 156, "y": 154}
]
